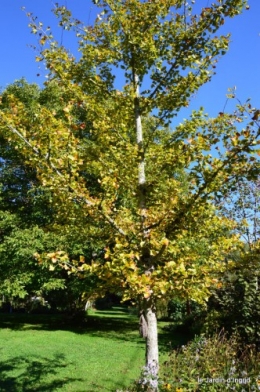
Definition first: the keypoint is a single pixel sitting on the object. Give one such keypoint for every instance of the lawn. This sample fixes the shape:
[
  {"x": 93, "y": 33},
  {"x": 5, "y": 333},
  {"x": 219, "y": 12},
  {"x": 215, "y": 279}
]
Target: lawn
[{"x": 48, "y": 353}]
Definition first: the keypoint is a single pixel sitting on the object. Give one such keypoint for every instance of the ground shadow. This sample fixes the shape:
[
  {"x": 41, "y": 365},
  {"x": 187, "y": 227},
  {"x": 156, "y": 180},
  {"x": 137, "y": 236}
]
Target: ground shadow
[
  {"x": 22, "y": 374},
  {"x": 115, "y": 323},
  {"x": 100, "y": 322}
]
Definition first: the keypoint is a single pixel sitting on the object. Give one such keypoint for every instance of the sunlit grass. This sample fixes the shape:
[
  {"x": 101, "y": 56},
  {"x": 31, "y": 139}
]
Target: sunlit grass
[{"x": 48, "y": 353}]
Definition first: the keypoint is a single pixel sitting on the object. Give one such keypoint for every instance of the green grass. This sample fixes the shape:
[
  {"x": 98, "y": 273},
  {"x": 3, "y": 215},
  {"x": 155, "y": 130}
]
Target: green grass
[{"x": 49, "y": 353}]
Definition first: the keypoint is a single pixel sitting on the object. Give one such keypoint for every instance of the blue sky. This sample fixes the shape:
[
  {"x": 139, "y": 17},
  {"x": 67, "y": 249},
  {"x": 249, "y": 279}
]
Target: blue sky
[{"x": 240, "y": 67}]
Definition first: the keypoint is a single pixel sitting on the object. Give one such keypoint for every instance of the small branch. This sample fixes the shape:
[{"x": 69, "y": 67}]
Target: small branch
[
  {"x": 163, "y": 80},
  {"x": 197, "y": 195},
  {"x": 159, "y": 254},
  {"x": 36, "y": 150},
  {"x": 14, "y": 130},
  {"x": 110, "y": 220}
]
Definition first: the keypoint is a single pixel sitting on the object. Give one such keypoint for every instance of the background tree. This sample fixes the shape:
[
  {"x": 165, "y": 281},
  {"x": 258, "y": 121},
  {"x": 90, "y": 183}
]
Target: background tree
[
  {"x": 235, "y": 304},
  {"x": 26, "y": 213},
  {"x": 157, "y": 240}
]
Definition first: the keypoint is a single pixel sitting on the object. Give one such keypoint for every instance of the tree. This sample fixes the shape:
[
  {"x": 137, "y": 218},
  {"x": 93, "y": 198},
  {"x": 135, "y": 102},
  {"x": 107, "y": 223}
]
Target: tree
[
  {"x": 22, "y": 277},
  {"x": 145, "y": 191},
  {"x": 26, "y": 212},
  {"x": 236, "y": 302}
]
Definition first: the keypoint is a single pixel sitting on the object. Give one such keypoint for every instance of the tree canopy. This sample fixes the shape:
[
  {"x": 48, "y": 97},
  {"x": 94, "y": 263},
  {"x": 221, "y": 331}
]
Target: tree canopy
[{"x": 141, "y": 192}]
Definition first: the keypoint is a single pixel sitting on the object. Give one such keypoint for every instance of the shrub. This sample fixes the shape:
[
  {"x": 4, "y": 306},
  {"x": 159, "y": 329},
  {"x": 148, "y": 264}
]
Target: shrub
[
  {"x": 210, "y": 365},
  {"x": 176, "y": 310},
  {"x": 236, "y": 305}
]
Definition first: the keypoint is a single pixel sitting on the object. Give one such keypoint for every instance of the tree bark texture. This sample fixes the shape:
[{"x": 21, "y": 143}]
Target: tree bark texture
[{"x": 152, "y": 354}]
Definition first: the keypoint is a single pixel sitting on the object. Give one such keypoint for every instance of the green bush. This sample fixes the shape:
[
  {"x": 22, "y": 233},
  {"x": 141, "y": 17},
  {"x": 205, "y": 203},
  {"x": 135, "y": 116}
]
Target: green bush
[
  {"x": 176, "y": 310},
  {"x": 189, "y": 325},
  {"x": 236, "y": 305},
  {"x": 180, "y": 310}
]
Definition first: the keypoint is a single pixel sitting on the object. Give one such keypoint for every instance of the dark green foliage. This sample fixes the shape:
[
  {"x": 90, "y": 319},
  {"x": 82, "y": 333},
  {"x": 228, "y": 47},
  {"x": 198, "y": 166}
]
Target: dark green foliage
[
  {"x": 30, "y": 223},
  {"x": 234, "y": 307},
  {"x": 176, "y": 310},
  {"x": 180, "y": 310},
  {"x": 237, "y": 304},
  {"x": 20, "y": 273}
]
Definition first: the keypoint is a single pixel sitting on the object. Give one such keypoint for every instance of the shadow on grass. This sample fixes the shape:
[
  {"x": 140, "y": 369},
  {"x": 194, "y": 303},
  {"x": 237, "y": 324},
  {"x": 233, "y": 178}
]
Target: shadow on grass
[
  {"x": 116, "y": 324},
  {"x": 22, "y": 374}
]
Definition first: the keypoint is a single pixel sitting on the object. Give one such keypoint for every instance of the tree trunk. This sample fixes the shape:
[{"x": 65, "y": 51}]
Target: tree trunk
[
  {"x": 148, "y": 319},
  {"x": 152, "y": 355},
  {"x": 148, "y": 329}
]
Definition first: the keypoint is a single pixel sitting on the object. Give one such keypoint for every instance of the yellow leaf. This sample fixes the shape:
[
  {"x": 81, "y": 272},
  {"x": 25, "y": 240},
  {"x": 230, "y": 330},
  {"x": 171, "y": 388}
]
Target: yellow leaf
[
  {"x": 171, "y": 264},
  {"x": 165, "y": 242},
  {"x": 81, "y": 259}
]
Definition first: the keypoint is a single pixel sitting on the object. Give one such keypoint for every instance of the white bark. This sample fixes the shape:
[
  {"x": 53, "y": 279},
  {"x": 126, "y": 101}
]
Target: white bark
[
  {"x": 152, "y": 354},
  {"x": 139, "y": 134},
  {"x": 149, "y": 310},
  {"x": 150, "y": 375}
]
